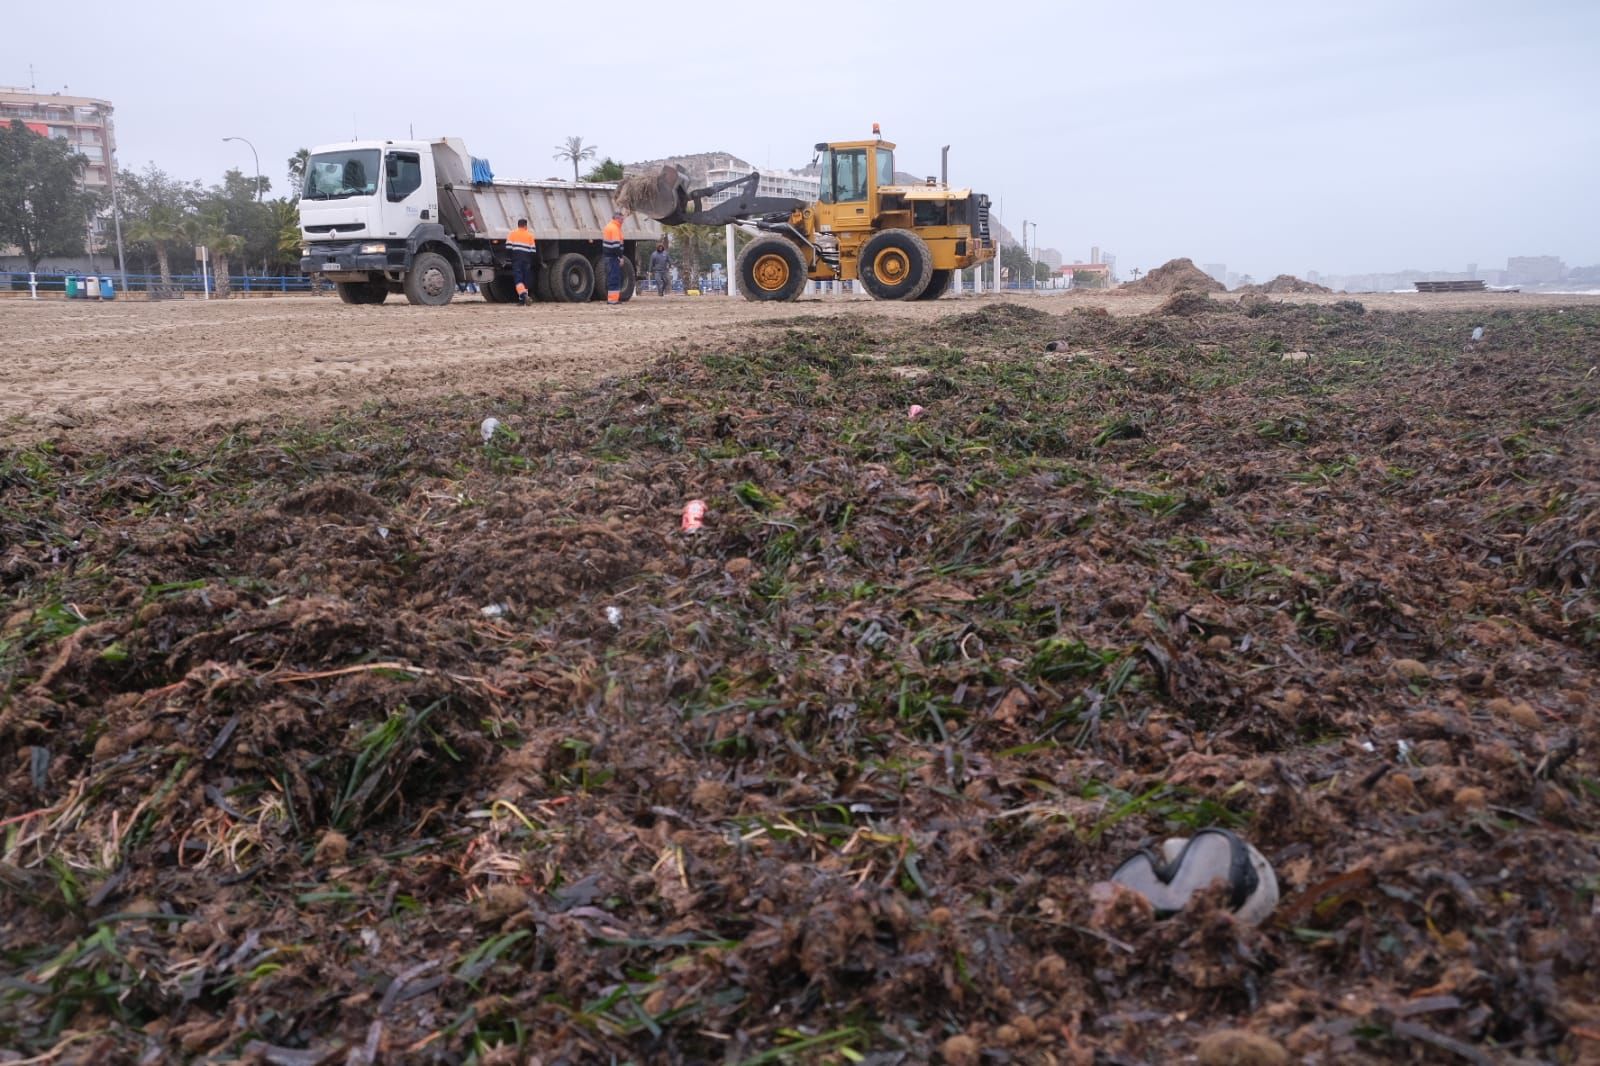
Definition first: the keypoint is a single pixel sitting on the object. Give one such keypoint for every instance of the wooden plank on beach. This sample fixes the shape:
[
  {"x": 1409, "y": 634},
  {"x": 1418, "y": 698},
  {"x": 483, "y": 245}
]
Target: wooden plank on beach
[{"x": 1450, "y": 286}]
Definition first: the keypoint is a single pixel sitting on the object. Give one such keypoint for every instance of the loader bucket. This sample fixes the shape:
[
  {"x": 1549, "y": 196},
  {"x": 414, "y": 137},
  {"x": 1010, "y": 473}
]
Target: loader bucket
[{"x": 656, "y": 194}]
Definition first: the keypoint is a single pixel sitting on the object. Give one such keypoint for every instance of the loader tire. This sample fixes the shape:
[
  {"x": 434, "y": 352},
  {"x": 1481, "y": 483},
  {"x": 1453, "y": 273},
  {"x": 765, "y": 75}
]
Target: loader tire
[
  {"x": 431, "y": 281},
  {"x": 937, "y": 284},
  {"x": 895, "y": 265},
  {"x": 571, "y": 279},
  {"x": 771, "y": 268}
]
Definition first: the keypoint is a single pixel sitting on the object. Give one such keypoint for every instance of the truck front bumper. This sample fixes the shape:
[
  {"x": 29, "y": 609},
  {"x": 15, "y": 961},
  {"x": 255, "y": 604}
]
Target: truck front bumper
[{"x": 344, "y": 261}]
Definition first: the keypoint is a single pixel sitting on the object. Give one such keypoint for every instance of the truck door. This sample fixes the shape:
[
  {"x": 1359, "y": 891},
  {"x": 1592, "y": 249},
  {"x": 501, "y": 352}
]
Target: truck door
[{"x": 409, "y": 196}]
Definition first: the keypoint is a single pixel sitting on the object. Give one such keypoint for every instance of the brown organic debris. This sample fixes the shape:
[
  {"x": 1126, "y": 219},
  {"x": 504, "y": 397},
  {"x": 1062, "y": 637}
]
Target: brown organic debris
[
  {"x": 839, "y": 776},
  {"x": 1176, "y": 275}
]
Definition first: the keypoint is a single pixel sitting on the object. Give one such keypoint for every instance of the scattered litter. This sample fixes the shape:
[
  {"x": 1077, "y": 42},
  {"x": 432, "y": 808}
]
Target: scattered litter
[
  {"x": 694, "y": 515},
  {"x": 914, "y": 412},
  {"x": 494, "y": 610},
  {"x": 614, "y": 616},
  {"x": 1402, "y": 750},
  {"x": 1187, "y": 865},
  {"x": 383, "y": 531},
  {"x": 1477, "y": 334},
  {"x": 1296, "y": 357},
  {"x": 486, "y": 430},
  {"x": 1054, "y": 346}
]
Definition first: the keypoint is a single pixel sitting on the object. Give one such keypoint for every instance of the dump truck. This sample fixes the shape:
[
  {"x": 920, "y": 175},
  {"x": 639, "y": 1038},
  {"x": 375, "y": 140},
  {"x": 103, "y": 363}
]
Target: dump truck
[
  {"x": 901, "y": 241},
  {"x": 419, "y": 218}
]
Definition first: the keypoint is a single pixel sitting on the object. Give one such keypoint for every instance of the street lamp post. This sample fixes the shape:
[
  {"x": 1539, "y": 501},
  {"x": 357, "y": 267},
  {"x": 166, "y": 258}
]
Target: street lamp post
[
  {"x": 258, "y": 163},
  {"x": 1032, "y": 275},
  {"x": 1027, "y": 263}
]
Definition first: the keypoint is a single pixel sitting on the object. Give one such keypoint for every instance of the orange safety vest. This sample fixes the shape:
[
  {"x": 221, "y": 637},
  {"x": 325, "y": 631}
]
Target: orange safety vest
[
  {"x": 611, "y": 244},
  {"x": 521, "y": 240}
]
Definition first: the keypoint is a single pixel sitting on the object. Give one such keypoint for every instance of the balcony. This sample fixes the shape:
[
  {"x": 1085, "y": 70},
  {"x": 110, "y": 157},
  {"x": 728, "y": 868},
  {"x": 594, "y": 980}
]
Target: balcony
[{"x": 54, "y": 115}]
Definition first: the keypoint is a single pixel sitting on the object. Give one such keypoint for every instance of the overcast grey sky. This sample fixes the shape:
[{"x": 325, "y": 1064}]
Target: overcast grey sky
[{"x": 1271, "y": 136}]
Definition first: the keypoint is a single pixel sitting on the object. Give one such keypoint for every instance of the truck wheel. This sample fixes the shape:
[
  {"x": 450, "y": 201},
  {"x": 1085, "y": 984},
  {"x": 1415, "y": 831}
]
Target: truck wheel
[
  {"x": 629, "y": 279},
  {"x": 895, "y": 265},
  {"x": 771, "y": 268},
  {"x": 502, "y": 290},
  {"x": 361, "y": 292},
  {"x": 430, "y": 281},
  {"x": 541, "y": 282},
  {"x": 937, "y": 284},
  {"x": 572, "y": 279}
]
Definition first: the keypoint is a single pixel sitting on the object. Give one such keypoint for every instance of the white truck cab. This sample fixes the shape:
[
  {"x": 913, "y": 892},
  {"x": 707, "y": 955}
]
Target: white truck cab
[{"x": 368, "y": 189}]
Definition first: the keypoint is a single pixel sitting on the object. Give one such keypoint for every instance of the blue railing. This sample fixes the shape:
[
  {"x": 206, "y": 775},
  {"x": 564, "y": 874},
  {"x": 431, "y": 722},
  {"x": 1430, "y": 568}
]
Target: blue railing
[{"x": 17, "y": 281}]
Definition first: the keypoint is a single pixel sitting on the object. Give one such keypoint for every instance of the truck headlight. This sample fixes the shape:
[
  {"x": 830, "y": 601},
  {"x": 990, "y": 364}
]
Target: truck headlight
[{"x": 372, "y": 249}]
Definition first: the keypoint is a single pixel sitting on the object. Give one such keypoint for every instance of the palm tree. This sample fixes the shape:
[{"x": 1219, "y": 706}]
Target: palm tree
[
  {"x": 285, "y": 231},
  {"x": 297, "y": 171},
  {"x": 607, "y": 169},
  {"x": 222, "y": 247},
  {"x": 696, "y": 248},
  {"x": 574, "y": 150},
  {"x": 161, "y": 224},
  {"x": 209, "y": 228}
]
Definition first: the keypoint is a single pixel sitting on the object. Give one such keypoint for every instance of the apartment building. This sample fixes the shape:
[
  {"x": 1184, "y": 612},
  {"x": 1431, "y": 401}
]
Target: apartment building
[
  {"x": 772, "y": 182},
  {"x": 82, "y": 121}
]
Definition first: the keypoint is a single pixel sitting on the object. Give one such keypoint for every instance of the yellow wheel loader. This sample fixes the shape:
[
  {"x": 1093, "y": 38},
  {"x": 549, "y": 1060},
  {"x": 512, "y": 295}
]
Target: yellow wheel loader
[{"x": 901, "y": 242}]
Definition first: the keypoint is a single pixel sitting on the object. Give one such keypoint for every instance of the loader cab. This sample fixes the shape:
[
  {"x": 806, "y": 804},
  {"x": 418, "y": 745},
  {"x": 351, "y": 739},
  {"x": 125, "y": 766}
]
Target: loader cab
[{"x": 851, "y": 173}]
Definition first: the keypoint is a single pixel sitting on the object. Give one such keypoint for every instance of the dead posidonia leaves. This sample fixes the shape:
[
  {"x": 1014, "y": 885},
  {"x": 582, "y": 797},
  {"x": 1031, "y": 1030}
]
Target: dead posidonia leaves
[{"x": 832, "y": 776}]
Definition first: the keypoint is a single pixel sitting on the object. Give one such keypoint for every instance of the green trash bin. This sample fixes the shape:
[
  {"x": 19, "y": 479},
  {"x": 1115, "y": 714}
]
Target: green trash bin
[{"x": 73, "y": 291}]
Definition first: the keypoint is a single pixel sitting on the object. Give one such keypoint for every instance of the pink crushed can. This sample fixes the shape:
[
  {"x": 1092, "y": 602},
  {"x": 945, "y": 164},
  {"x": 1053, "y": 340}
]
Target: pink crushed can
[
  {"x": 915, "y": 412},
  {"x": 694, "y": 515}
]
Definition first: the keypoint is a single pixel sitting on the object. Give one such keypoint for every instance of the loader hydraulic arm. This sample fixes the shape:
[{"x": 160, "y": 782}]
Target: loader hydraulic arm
[{"x": 742, "y": 206}]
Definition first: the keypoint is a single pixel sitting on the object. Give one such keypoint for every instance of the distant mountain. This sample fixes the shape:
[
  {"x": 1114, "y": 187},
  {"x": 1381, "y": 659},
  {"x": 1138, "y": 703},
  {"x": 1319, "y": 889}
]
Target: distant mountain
[{"x": 694, "y": 165}]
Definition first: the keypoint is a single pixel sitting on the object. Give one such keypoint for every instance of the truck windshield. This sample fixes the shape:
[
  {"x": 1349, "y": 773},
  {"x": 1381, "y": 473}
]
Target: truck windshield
[{"x": 336, "y": 175}]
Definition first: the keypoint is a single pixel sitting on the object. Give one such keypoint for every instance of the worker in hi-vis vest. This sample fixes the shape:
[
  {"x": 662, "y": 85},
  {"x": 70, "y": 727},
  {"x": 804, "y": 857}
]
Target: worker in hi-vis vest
[
  {"x": 523, "y": 249},
  {"x": 611, "y": 247}
]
